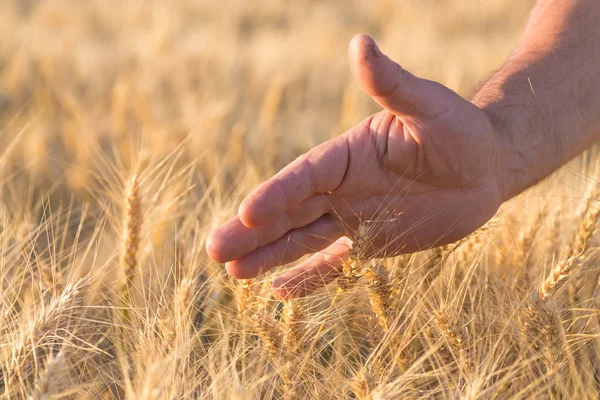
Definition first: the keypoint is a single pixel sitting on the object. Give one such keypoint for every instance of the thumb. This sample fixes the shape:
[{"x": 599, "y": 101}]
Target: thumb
[{"x": 391, "y": 86}]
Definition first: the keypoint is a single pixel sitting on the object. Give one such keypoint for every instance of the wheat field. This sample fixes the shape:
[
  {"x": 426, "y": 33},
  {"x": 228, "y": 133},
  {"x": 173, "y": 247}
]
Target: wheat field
[{"x": 130, "y": 129}]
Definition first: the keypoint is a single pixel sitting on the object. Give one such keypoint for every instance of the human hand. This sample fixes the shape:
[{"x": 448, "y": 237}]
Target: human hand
[{"x": 421, "y": 173}]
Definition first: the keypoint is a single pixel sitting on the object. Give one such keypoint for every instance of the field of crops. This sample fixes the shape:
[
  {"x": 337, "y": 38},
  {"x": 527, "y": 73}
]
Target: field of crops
[{"x": 130, "y": 130}]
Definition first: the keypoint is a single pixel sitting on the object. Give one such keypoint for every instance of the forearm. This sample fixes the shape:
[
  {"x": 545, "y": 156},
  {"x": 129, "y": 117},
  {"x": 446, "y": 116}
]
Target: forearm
[{"x": 545, "y": 101}]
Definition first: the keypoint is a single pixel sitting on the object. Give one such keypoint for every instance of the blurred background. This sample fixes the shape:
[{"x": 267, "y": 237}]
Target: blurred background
[
  {"x": 245, "y": 86},
  {"x": 129, "y": 129}
]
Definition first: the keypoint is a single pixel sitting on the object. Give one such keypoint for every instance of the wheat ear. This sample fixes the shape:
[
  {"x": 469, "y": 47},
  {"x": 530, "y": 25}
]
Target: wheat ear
[
  {"x": 540, "y": 323},
  {"x": 269, "y": 331},
  {"x": 379, "y": 293},
  {"x": 178, "y": 315},
  {"x": 587, "y": 226},
  {"x": 541, "y": 329},
  {"x": 60, "y": 307},
  {"x": 352, "y": 270},
  {"x": 49, "y": 381},
  {"x": 361, "y": 385},
  {"x": 453, "y": 336},
  {"x": 294, "y": 326},
  {"x": 132, "y": 222},
  {"x": 294, "y": 340},
  {"x": 576, "y": 255},
  {"x": 247, "y": 301},
  {"x": 525, "y": 240}
]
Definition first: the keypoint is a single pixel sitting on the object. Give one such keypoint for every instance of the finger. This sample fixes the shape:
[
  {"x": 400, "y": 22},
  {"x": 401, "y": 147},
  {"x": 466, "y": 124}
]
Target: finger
[
  {"x": 391, "y": 86},
  {"x": 318, "y": 171},
  {"x": 233, "y": 239},
  {"x": 316, "y": 272},
  {"x": 311, "y": 238}
]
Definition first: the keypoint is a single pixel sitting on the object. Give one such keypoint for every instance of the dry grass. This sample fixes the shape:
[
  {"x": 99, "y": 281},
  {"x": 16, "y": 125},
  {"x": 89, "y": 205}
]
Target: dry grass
[{"x": 129, "y": 130}]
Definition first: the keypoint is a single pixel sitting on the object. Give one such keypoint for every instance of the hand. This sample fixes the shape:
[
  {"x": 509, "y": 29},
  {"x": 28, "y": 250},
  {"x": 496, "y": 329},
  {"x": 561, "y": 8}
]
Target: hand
[{"x": 424, "y": 172}]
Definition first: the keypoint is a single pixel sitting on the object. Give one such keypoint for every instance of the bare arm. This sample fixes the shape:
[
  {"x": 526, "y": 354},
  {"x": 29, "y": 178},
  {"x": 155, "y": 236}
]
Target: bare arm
[{"x": 546, "y": 98}]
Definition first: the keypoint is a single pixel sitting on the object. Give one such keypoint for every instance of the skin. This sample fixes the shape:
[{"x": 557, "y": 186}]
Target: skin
[{"x": 431, "y": 167}]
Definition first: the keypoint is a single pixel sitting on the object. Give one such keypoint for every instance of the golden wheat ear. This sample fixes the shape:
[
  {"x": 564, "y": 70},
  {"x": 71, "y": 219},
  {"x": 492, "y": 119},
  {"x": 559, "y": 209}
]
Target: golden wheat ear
[
  {"x": 577, "y": 254},
  {"x": 379, "y": 288},
  {"x": 130, "y": 239},
  {"x": 52, "y": 378}
]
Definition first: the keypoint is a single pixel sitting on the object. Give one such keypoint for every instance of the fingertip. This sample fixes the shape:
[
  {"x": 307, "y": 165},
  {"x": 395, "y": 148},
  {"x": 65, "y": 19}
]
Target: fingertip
[
  {"x": 228, "y": 242},
  {"x": 361, "y": 44},
  {"x": 247, "y": 214},
  {"x": 260, "y": 207},
  {"x": 376, "y": 73},
  {"x": 247, "y": 267},
  {"x": 213, "y": 247},
  {"x": 235, "y": 270},
  {"x": 361, "y": 52}
]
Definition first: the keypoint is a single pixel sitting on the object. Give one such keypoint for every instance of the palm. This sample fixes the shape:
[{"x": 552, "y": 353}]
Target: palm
[
  {"x": 407, "y": 193},
  {"x": 416, "y": 175}
]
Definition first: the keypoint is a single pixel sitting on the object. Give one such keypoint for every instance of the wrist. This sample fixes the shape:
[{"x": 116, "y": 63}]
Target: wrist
[
  {"x": 512, "y": 165},
  {"x": 525, "y": 154},
  {"x": 504, "y": 146}
]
